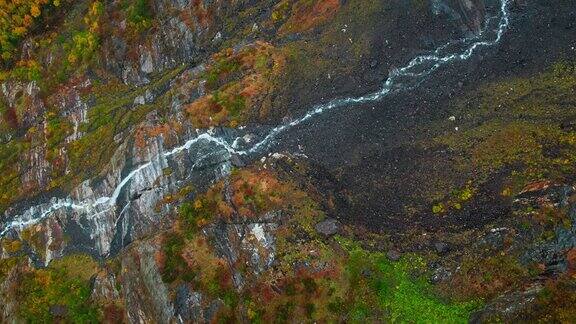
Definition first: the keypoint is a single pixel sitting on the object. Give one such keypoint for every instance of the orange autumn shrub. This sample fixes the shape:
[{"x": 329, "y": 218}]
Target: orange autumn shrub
[{"x": 307, "y": 15}]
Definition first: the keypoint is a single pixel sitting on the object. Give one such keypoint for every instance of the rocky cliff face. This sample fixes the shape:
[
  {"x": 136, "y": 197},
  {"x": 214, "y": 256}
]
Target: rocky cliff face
[
  {"x": 120, "y": 206},
  {"x": 469, "y": 13},
  {"x": 140, "y": 163}
]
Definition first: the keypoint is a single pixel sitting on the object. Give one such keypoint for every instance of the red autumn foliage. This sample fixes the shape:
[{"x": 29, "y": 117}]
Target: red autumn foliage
[
  {"x": 11, "y": 118},
  {"x": 306, "y": 16}
]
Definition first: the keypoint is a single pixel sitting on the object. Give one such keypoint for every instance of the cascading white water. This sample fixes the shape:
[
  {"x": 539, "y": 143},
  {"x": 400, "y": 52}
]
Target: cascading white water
[{"x": 405, "y": 78}]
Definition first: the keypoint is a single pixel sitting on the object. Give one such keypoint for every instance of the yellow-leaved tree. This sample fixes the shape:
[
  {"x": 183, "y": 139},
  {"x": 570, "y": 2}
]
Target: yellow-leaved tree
[{"x": 16, "y": 19}]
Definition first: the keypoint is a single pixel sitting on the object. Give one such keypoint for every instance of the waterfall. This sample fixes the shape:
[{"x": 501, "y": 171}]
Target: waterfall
[{"x": 401, "y": 79}]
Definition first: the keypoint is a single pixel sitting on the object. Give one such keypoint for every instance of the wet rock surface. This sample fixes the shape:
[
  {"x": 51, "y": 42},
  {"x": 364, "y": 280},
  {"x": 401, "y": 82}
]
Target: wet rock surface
[{"x": 327, "y": 227}]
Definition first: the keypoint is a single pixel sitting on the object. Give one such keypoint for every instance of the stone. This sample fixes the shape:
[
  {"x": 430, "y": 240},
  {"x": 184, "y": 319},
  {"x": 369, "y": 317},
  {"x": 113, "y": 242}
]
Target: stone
[
  {"x": 147, "y": 64},
  {"x": 552, "y": 253},
  {"x": 188, "y": 304},
  {"x": 58, "y": 310},
  {"x": 440, "y": 274},
  {"x": 393, "y": 255},
  {"x": 441, "y": 247},
  {"x": 367, "y": 273},
  {"x": 237, "y": 161},
  {"x": 327, "y": 227},
  {"x": 507, "y": 305},
  {"x": 543, "y": 194},
  {"x": 210, "y": 313},
  {"x": 139, "y": 101}
]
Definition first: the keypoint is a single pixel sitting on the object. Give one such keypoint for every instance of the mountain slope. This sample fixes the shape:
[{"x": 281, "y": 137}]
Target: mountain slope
[{"x": 287, "y": 160}]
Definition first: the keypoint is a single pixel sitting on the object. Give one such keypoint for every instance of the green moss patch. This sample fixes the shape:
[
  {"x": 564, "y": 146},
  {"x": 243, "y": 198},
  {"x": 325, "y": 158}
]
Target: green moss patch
[
  {"x": 520, "y": 122},
  {"x": 59, "y": 292},
  {"x": 402, "y": 289}
]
